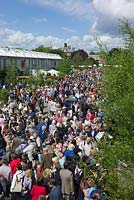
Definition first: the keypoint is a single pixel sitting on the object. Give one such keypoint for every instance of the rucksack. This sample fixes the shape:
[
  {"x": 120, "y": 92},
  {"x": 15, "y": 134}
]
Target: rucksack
[{"x": 78, "y": 173}]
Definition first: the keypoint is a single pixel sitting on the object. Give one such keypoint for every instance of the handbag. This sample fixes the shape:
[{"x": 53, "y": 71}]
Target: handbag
[{"x": 18, "y": 185}]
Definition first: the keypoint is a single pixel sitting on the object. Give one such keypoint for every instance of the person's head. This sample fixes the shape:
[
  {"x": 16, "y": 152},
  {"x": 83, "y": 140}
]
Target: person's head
[
  {"x": 90, "y": 182},
  {"x": 43, "y": 128},
  {"x": 96, "y": 196},
  {"x": 4, "y": 160},
  {"x": 19, "y": 167},
  {"x": 66, "y": 165},
  {"x": 28, "y": 173},
  {"x": 47, "y": 173},
  {"x": 45, "y": 151},
  {"x": 51, "y": 182},
  {"x": 84, "y": 184},
  {"x": 71, "y": 146},
  {"x": 88, "y": 140},
  {"x": 31, "y": 139},
  {"x": 39, "y": 182},
  {"x": 13, "y": 156},
  {"x": 55, "y": 160},
  {"x": 35, "y": 134}
]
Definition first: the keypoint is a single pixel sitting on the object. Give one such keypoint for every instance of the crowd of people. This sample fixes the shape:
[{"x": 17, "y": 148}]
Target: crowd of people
[{"x": 45, "y": 133}]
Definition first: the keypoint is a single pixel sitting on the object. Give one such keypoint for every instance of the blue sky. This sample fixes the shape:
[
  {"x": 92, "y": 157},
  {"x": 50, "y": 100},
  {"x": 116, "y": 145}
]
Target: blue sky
[{"x": 30, "y": 23}]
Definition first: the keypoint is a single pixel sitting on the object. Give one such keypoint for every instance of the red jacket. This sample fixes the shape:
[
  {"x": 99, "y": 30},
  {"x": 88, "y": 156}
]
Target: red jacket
[
  {"x": 13, "y": 164},
  {"x": 37, "y": 191}
]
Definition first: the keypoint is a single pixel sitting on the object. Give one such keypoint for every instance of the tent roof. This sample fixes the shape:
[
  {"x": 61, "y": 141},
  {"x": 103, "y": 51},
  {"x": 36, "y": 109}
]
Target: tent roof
[
  {"x": 53, "y": 71},
  {"x": 21, "y": 53}
]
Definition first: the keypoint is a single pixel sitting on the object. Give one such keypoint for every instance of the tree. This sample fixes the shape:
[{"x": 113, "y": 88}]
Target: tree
[
  {"x": 79, "y": 56},
  {"x": 117, "y": 155},
  {"x": 92, "y": 53},
  {"x": 11, "y": 73},
  {"x": 43, "y": 49},
  {"x": 59, "y": 52},
  {"x": 115, "y": 51},
  {"x": 2, "y": 75},
  {"x": 65, "y": 66},
  {"x": 3, "y": 96}
]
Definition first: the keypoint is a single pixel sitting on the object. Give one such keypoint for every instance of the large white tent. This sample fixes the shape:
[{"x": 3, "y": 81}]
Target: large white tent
[{"x": 53, "y": 72}]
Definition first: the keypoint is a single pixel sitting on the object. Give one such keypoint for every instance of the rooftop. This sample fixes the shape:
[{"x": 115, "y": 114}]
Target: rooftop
[{"x": 21, "y": 53}]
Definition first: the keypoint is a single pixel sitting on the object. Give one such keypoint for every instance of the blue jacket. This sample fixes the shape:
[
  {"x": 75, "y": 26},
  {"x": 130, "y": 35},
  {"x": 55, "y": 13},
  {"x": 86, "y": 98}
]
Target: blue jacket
[
  {"x": 69, "y": 153},
  {"x": 55, "y": 193}
]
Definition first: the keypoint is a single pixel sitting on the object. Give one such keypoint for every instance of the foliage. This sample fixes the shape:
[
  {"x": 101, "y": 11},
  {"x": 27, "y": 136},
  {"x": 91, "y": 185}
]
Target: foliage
[
  {"x": 36, "y": 80},
  {"x": 11, "y": 73},
  {"x": 2, "y": 75},
  {"x": 128, "y": 33},
  {"x": 78, "y": 57},
  {"x": 43, "y": 49},
  {"x": 3, "y": 96},
  {"x": 80, "y": 53},
  {"x": 117, "y": 155},
  {"x": 65, "y": 66}
]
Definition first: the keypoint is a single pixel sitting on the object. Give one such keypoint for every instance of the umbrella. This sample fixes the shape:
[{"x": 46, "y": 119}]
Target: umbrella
[{"x": 71, "y": 99}]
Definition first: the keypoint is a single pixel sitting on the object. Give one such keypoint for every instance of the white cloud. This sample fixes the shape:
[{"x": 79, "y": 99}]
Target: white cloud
[
  {"x": 115, "y": 8},
  {"x": 40, "y": 20},
  {"x": 105, "y": 14},
  {"x": 108, "y": 13},
  {"x": 110, "y": 8},
  {"x": 69, "y": 30},
  {"x": 28, "y": 40}
]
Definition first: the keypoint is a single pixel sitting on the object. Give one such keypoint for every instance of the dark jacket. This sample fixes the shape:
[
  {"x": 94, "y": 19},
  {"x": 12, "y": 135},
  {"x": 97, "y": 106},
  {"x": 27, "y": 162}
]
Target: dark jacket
[{"x": 55, "y": 193}]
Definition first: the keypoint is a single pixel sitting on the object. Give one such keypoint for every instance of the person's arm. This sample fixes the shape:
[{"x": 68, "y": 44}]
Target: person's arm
[
  {"x": 30, "y": 185},
  {"x": 10, "y": 177},
  {"x": 32, "y": 191},
  {"x": 13, "y": 183},
  {"x": 71, "y": 183},
  {"x": 26, "y": 149}
]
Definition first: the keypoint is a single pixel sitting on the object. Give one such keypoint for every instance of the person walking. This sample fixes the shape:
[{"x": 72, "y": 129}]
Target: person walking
[
  {"x": 38, "y": 190},
  {"x": 67, "y": 186},
  {"x": 5, "y": 176}
]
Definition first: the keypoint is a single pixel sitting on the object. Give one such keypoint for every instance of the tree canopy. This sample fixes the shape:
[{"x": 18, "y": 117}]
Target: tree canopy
[
  {"x": 43, "y": 49},
  {"x": 118, "y": 105}
]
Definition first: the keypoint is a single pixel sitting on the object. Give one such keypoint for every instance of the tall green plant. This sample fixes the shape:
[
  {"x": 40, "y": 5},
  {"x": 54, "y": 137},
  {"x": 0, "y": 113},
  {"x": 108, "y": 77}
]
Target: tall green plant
[
  {"x": 65, "y": 66},
  {"x": 11, "y": 73},
  {"x": 118, "y": 106}
]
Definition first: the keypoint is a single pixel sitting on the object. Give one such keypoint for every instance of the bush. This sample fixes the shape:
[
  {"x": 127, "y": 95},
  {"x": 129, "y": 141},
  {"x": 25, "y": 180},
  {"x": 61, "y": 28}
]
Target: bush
[{"x": 3, "y": 96}]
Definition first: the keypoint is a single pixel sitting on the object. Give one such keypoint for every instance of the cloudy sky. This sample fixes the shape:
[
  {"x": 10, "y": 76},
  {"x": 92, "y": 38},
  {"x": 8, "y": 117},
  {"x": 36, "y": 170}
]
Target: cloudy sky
[{"x": 30, "y": 23}]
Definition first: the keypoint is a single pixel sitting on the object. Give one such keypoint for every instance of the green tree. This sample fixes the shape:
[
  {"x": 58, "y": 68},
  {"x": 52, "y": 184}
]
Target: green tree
[
  {"x": 43, "y": 49},
  {"x": 59, "y": 52},
  {"x": 2, "y": 75},
  {"x": 65, "y": 66},
  {"x": 3, "y": 96},
  {"x": 11, "y": 73},
  {"x": 118, "y": 83},
  {"x": 79, "y": 56}
]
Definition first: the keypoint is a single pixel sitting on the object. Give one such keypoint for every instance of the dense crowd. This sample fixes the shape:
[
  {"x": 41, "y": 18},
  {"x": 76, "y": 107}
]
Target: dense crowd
[{"x": 45, "y": 133}]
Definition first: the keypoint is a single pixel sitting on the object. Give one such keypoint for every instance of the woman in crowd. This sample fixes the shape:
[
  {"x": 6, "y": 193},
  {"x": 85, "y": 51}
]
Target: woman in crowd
[{"x": 38, "y": 190}]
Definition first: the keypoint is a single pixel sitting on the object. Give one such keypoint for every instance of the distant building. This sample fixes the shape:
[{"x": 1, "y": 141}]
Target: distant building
[
  {"x": 68, "y": 50},
  {"x": 97, "y": 58},
  {"x": 27, "y": 60},
  {"x": 94, "y": 56}
]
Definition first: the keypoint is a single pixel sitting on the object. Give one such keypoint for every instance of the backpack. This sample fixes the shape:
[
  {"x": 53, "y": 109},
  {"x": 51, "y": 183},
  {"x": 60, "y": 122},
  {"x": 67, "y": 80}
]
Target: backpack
[{"x": 78, "y": 173}]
